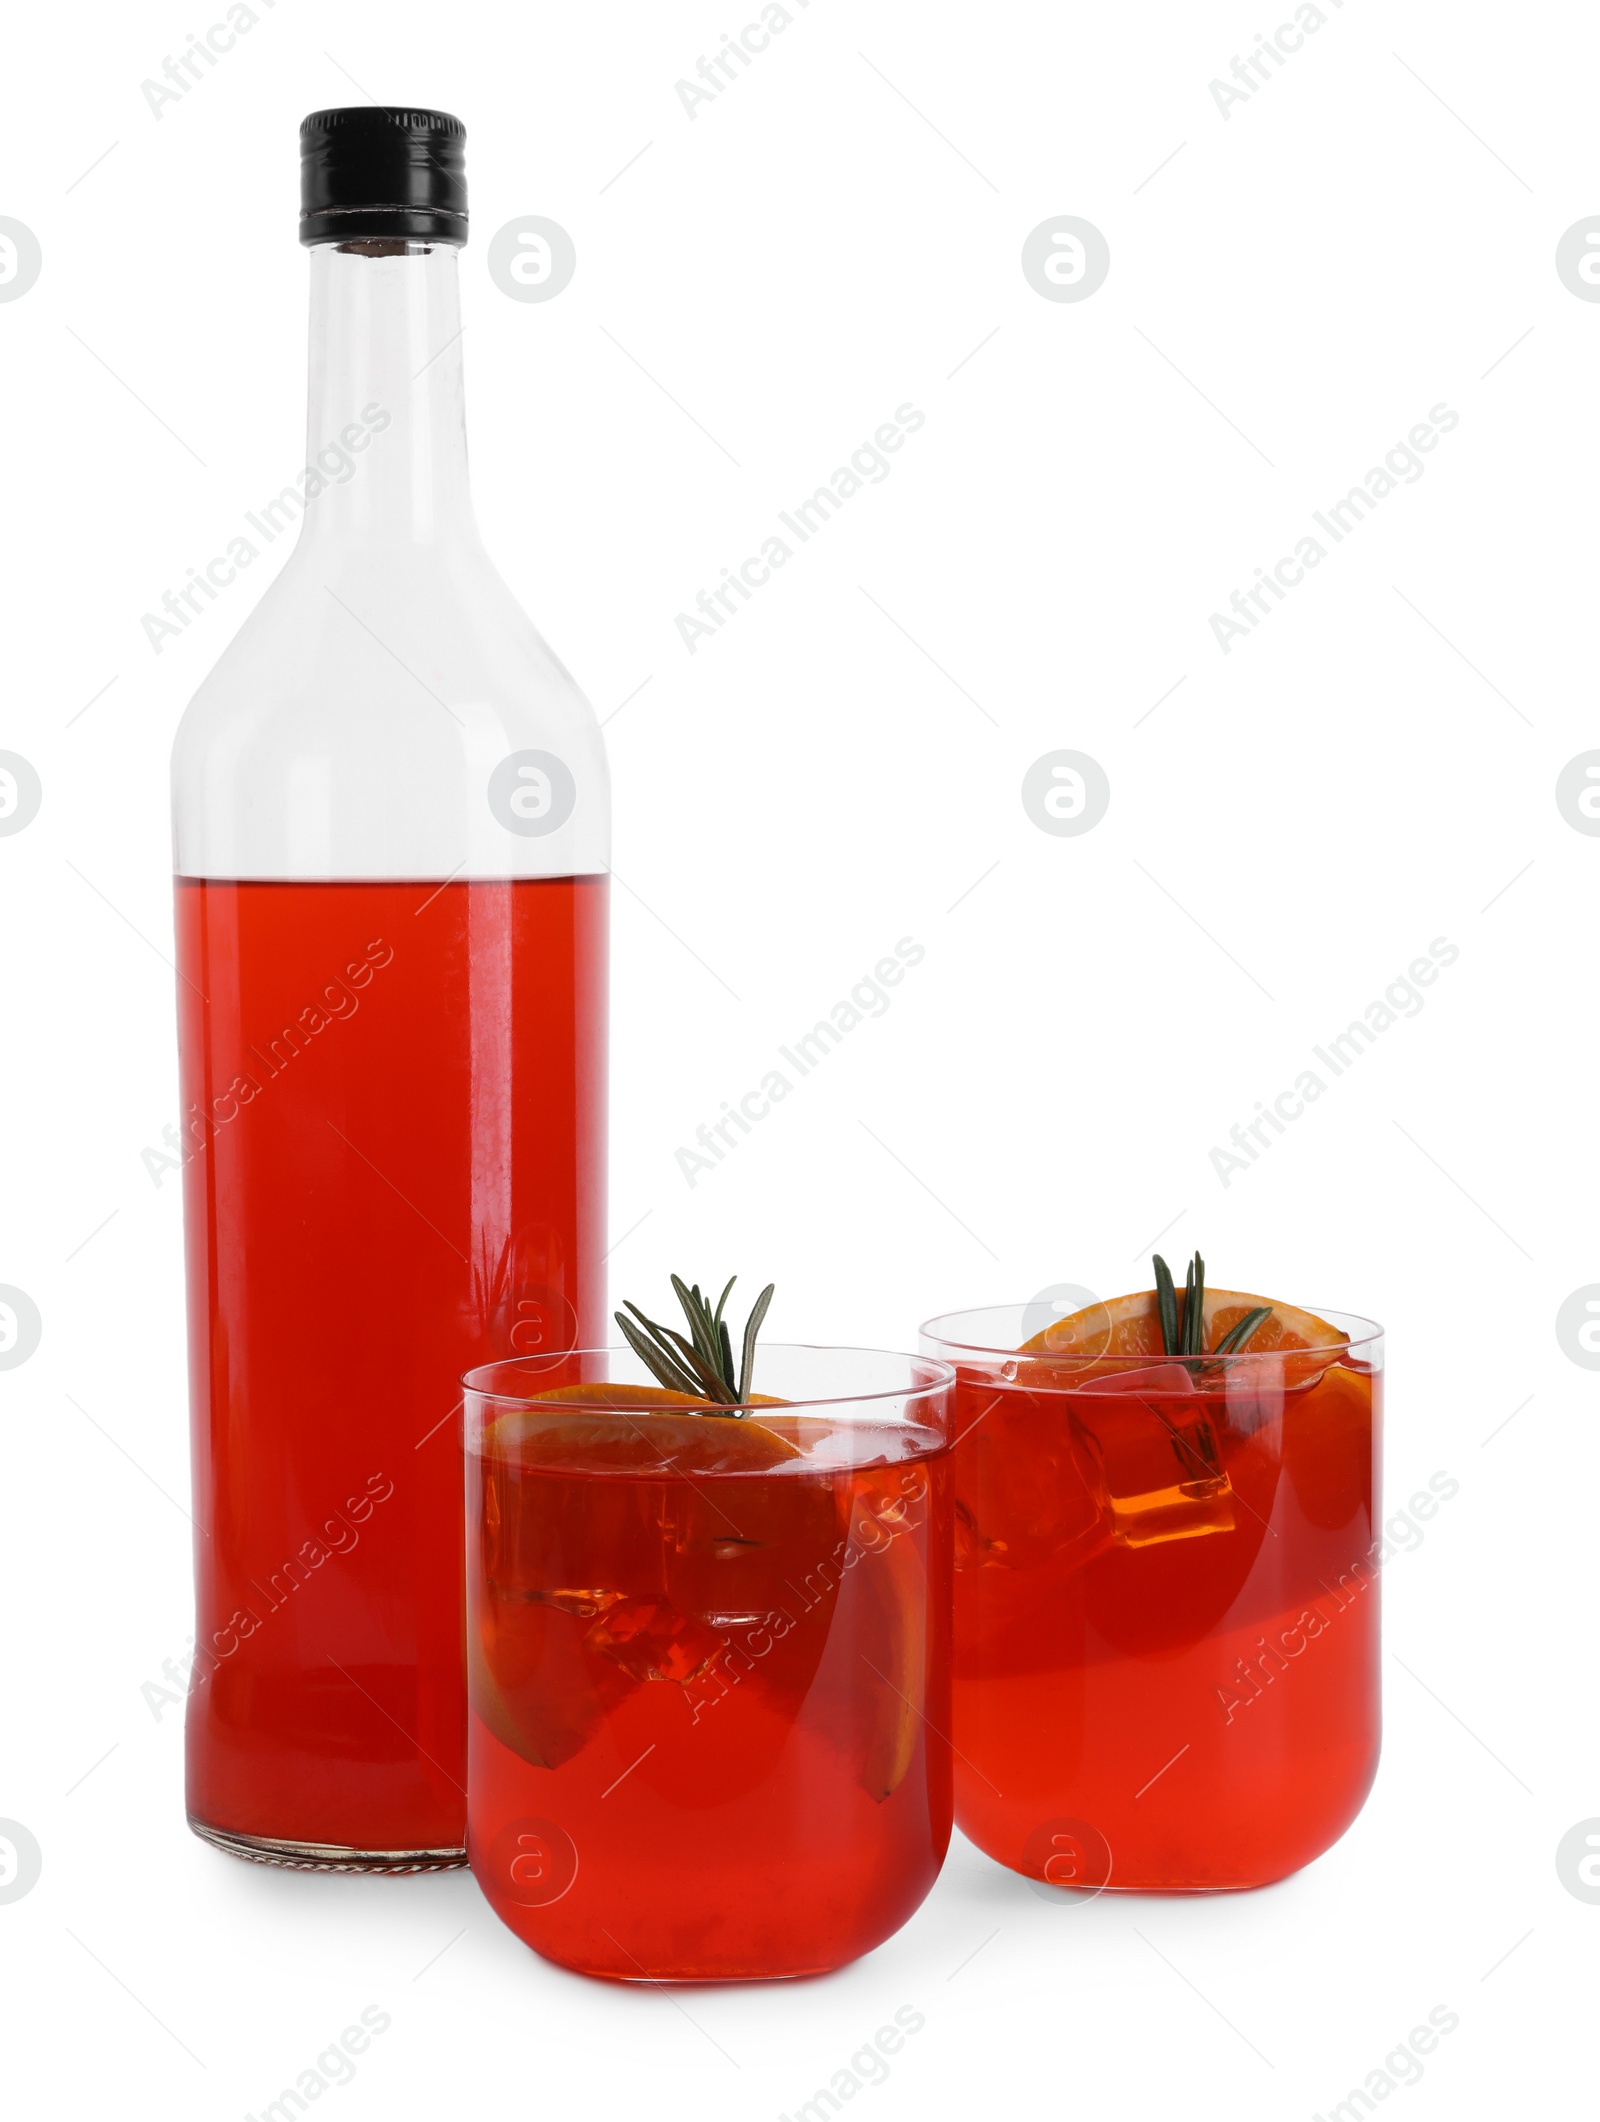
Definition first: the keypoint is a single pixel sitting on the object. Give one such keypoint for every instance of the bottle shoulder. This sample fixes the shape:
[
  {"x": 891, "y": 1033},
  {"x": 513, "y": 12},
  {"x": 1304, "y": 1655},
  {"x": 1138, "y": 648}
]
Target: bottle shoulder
[{"x": 389, "y": 713}]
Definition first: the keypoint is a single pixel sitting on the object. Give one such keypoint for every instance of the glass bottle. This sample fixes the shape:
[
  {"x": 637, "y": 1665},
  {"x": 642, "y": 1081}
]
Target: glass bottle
[{"x": 391, "y": 838}]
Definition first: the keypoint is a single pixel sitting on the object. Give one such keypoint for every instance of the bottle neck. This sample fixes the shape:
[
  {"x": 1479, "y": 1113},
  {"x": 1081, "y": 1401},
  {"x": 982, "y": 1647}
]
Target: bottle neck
[{"x": 386, "y": 430}]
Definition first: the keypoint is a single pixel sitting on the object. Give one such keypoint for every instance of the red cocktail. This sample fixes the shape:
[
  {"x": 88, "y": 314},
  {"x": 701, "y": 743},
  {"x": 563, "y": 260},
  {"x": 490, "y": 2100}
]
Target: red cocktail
[
  {"x": 708, "y": 1660},
  {"x": 1166, "y": 1613}
]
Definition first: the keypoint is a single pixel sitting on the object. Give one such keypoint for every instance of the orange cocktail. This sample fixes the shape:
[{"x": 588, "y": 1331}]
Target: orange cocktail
[
  {"x": 1166, "y": 1615},
  {"x": 708, "y": 1661}
]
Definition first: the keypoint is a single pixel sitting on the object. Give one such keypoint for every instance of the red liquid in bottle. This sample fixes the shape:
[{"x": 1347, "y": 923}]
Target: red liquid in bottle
[{"x": 394, "y": 1113}]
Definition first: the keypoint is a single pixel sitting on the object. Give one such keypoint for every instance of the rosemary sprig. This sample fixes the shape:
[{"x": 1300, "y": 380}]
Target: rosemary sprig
[
  {"x": 1166, "y": 1306},
  {"x": 700, "y": 1367},
  {"x": 1186, "y": 1336},
  {"x": 1194, "y": 1307},
  {"x": 1236, "y": 1336}
]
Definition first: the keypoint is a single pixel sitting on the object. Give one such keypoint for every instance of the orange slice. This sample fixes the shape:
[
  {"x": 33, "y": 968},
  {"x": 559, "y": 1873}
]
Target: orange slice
[
  {"x": 621, "y": 1396},
  {"x": 895, "y": 1613},
  {"x": 635, "y": 1428},
  {"x": 1131, "y": 1326}
]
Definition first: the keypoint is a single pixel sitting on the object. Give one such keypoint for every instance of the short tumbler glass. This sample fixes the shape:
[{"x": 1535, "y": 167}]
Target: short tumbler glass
[
  {"x": 708, "y": 1660},
  {"x": 1166, "y": 1605}
]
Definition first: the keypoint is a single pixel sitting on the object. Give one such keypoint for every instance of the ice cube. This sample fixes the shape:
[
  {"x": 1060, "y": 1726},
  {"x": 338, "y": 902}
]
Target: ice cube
[
  {"x": 582, "y": 1604},
  {"x": 1257, "y": 1391},
  {"x": 1031, "y": 1494},
  {"x": 651, "y": 1640},
  {"x": 1165, "y": 1378},
  {"x": 1163, "y": 1470}
]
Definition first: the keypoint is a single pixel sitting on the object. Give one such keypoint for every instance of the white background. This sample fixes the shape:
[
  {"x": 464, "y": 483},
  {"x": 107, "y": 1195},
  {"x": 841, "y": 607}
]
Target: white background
[{"x": 1369, "y": 235}]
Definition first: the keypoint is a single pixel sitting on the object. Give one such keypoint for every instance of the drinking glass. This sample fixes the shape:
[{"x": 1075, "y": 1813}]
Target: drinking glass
[
  {"x": 708, "y": 1659},
  {"x": 1166, "y": 1604}
]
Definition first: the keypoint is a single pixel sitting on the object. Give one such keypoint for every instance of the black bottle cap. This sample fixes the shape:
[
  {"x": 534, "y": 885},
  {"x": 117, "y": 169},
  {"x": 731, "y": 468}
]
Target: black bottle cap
[{"x": 370, "y": 174}]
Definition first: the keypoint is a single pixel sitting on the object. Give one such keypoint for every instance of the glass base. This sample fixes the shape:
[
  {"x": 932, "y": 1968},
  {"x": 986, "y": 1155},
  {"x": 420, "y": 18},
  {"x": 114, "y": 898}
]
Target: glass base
[
  {"x": 327, "y": 1856},
  {"x": 1149, "y": 1887},
  {"x": 681, "y": 1978}
]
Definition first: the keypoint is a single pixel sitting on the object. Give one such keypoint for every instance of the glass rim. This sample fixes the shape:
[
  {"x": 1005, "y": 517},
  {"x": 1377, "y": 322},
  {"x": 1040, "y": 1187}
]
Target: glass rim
[
  {"x": 914, "y": 1391},
  {"x": 1370, "y": 1332}
]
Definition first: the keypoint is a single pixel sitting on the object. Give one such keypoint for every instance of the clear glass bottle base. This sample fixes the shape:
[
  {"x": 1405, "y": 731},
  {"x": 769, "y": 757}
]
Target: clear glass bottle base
[{"x": 327, "y": 1856}]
